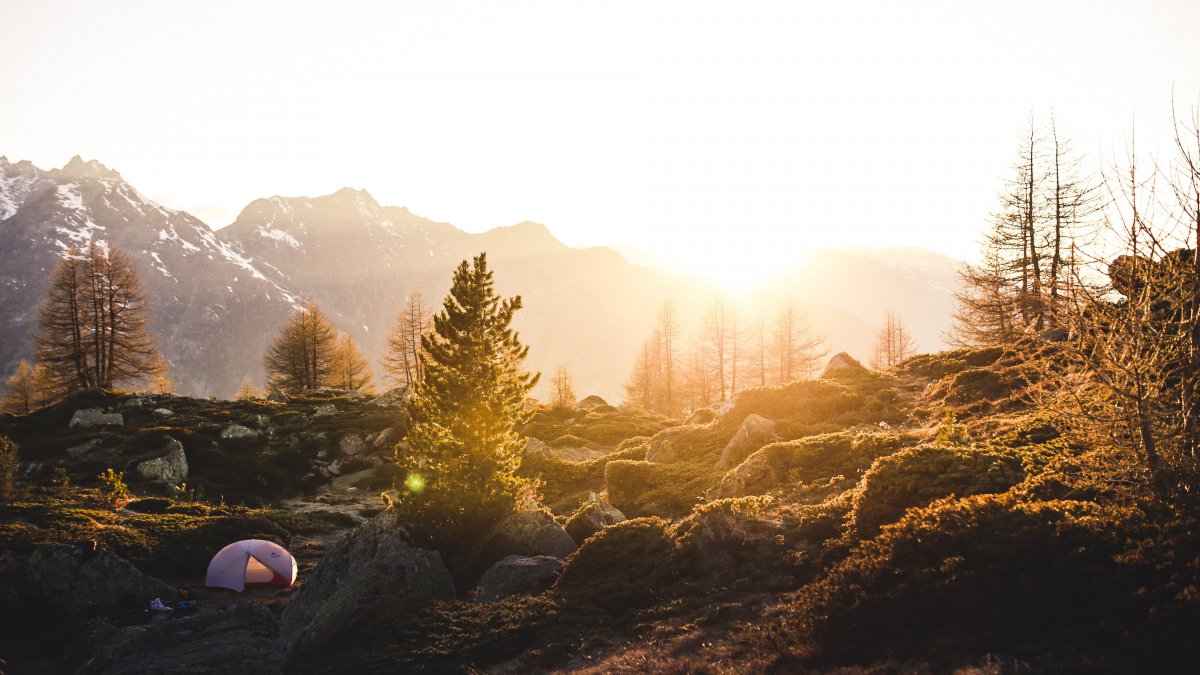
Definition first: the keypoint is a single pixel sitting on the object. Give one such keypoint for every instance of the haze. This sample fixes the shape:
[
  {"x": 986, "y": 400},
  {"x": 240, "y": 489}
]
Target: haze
[{"x": 724, "y": 139}]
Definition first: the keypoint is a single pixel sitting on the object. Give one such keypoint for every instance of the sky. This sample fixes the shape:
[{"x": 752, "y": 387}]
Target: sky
[{"x": 724, "y": 139}]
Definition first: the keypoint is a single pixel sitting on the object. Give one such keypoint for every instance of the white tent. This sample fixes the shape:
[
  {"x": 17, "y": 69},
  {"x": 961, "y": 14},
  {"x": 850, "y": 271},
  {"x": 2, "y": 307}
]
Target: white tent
[{"x": 251, "y": 561}]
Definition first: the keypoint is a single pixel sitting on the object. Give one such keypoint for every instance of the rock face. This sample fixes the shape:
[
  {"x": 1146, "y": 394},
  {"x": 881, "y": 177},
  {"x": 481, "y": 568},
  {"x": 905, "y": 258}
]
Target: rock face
[
  {"x": 524, "y": 533},
  {"x": 325, "y": 410},
  {"x": 369, "y": 569},
  {"x": 595, "y": 515},
  {"x": 237, "y": 431},
  {"x": 842, "y": 363},
  {"x": 518, "y": 575},
  {"x": 396, "y": 398},
  {"x": 170, "y": 469},
  {"x": 93, "y": 417},
  {"x": 64, "y": 579},
  {"x": 755, "y": 432},
  {"x": 238, "y": 639},
  {"x": 352, "y": 445},
  {"x": 592, "y": 401}
]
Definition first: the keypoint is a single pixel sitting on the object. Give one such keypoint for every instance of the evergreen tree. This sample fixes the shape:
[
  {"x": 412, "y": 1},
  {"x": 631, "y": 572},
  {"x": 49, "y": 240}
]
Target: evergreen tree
[
  {"x": 92, "y": 329},
  {"x": 463, "y": 449},
  {"x": 302, "y": 356}
]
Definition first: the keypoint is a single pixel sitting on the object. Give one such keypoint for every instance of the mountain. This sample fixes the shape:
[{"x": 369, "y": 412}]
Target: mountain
[{"x": 218, "y": 297}]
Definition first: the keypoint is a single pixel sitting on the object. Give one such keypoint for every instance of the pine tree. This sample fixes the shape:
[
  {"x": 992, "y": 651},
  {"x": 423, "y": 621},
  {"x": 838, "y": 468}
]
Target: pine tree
[
  {"x": 562, "y": 394},
  {"x": 350, "y": 370},
  {"x": 92, "y": 329},
  {"x": 25, "y": 391},
  {"x": 302, "y": 356},
  {"x": 463, "y": 449}
]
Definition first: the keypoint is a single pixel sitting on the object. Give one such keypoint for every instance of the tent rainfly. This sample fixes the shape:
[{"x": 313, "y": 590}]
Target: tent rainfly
[{"x": 251, "y": 562}]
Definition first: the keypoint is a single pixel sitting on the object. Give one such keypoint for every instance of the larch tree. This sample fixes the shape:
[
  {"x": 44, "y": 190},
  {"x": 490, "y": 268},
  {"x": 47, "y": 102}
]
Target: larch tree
[
  {"x": 796, "y": 349},
  {"x": 402, "y": 360},
  {"x": 893, "y": 343},
  {"x": 93, "y": 326},
  {"x": 459, "y": 470},
  {"x": 302, "y": 356},
  {"x": 562, "y": 391},
  {"x": 349, "y": 369},
  {"x": 25, "y": 390},
  {"x": 246, "y": 390}
]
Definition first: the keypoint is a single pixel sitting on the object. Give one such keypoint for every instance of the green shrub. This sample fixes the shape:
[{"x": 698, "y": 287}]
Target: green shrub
[
  {"x": 112, "y": 487},
  {"x": 919, "y": 476}
]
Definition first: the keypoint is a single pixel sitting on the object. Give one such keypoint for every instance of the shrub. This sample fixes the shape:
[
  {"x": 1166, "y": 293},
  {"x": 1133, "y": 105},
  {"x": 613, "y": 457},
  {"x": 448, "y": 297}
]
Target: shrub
[
  {"x": 626, "y": 566},
  {"x": 626, "y": 480},
  {"x": 112, "y": 487}
]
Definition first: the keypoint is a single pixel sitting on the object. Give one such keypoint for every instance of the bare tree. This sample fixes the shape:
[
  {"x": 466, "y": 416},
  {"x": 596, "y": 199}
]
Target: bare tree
[
  {"x": 302, "y": 355},
  {"x": 797, "y": 350},
  {"x": 25, "y": 391},
  {"x": 402, "y": 360},
  {"x": 562, "y": 391},
  {"x": 893, "y": 343}
]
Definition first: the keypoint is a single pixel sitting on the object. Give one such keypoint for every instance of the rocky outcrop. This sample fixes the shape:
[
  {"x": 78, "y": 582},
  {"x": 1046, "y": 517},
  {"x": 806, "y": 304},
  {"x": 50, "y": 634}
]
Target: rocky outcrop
[
  {"x": 62, "y": 580},
  {"x": 169, "y": 469},
  {"x": 94, "y": 417},
  {"x": 326, "y": 410},
  {"x": 755, "y": 432},
  {"x": 592, "y": 401},
  {"x": 519, "y": 575},
  {"x": 842, "y": 364},
  {"x": 396, "y": 398},
  {"x": 370, "y": 569},
  {"x": 237, "y": 432},
  {"x": 238, "y": 639},
  {"x": 595, "y": 515},
  {"x": 524, "y": 533},
  {"x": 352, "y": 445}
]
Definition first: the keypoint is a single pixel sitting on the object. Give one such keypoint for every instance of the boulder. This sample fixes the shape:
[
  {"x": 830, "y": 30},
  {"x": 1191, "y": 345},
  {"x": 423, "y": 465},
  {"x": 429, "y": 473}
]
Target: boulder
[
  {"x": 277, "y": 396},
  {"x": 1055, "y": 335},
  {"x": 326, "y": 410},
  {"x": 83, "y": 449},
  {"x": 753, "y": 476},
  {"x": 727, "y": 406},
  {"x": 335, "y": 467},
  {"x": 164, "y": 412},
  {"x": 536, "y": 448},
  {"x": 394, "y": 398},
  {"x": 842, "y": 363},
  {"x": 370, "y": 569},
  {"x": 388, "y": 438},
  {"x": 169, "y": 469},
  {"x": 239, "y": 638},
  {"x": 519, "y": 575},
  {"x": 260, "y": 421},
  {"x": 93, "y": 417},
  {"x": 62, "y": 580},
  {"x": 592, "y": 401},
  {"x": 595, "y": 515},
  {"x": 524, "y": 533},
  {"x": 577, "y": 454},
  {"x": 755, "y": 432},
  {"x": 701, "y": 416},
  {"x": 352, "y": 445},
  {"x": 664, "y": 447},
  {"x": 237, "y": 432}
]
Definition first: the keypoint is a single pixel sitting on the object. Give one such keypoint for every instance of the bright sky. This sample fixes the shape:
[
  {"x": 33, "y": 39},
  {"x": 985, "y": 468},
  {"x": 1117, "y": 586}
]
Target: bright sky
[{"x": 724, "y": 137}]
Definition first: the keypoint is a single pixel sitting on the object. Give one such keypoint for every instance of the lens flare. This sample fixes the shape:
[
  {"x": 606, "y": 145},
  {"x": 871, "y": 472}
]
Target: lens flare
[{"x": 415, "y": 483}]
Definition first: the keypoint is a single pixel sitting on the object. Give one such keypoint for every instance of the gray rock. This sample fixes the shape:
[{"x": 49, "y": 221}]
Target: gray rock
[
  {"x": 595, "y": 515},
  {"x": 396, "y": 398},
  {"x": 524, "y": 533},
  {"x": 260, "y": 421},
  {"x": 592, "y": 401},
  {"x": 93, "y": 417},
  {"x": 755, "y": 432},
  {"x": 664, "y": 447},
  {"x": 519, "y": 575},
  {"x": 133, "y": 402},
  {"x": 753, "y": 476},
  {"x": 577, "y": 454},
  {"x": 240, "y": 638},
  {"x": 352, "y": 445},
  {"x": 322, "y": 454},
  {"x": 170, "y": 469},
  {"x": 277, "y": 396},
  {"x": 842, "y": 363},
  {"x": 370, "y": 569},
  {"x": 85, "y": 448},
  {"x": 237, "y": 432},
  {"x": 1055, "y": 335},
  {"x": 335, "y": 467},
  {"x": 536, "y": 448},
  {"x": 325, "y": 410},
  {"x": 164, "y": 412},
  {"x": 701, "y": 416},
  {"x": 388, "y": 437},
  {"x": 727, "y": 406}
]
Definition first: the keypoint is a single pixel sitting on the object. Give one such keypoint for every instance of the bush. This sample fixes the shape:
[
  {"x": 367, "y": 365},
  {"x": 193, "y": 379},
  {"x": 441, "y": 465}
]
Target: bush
[
  {"x": 626, "y": 566},
  {"x": 112, "y": 487},
  {"x": 919, "y": 476}
]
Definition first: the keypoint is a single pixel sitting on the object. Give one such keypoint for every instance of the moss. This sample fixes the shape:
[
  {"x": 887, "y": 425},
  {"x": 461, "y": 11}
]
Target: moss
[
  {"x": 626, "y": 566},
  {"x": 567, "y": 484},
  {"x": 600, "y": 427}
]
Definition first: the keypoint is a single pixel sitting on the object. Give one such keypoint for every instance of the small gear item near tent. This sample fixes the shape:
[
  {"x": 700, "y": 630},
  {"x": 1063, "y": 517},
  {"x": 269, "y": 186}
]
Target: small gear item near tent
[{"x": 251, "y": 562}]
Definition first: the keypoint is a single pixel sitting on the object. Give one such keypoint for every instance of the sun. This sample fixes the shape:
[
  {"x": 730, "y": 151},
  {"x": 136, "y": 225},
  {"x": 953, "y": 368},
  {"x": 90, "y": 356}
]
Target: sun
[{"x": 738, "y": 268}]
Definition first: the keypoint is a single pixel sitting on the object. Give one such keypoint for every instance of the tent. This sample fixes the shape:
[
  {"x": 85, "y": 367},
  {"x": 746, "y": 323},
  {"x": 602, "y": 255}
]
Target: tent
[{"x": 253, "y": 562}]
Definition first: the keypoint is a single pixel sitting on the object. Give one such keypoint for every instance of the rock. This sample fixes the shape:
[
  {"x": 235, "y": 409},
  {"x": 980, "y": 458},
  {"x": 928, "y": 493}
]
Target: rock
[
  {"x": 577, "y": 454},
  {"x": 524, "y": 533},
  {"x": 93, "y": 417},
  {"x": 595, "y": 515},
  {"x": 664, "y": 448},
  {"x": 237, "y": 432},
  {"x": 164, "y": 412},
  {"x": 260, "y": 421},
  {"x": 727, "y": 406},
  {"x": 395, "y": 398},
  {"x": 237, "y": 639},
  {"x": 85, "y": 448},
  {"x": 518, "y": 575},
  {"x": 335, "y": 467},
  {"x": 388, "y": 437},
  {"x": 277, "y": 396},
  {"x": 592, "y": 401},
  {"x": 325, "y": 410},
  {"x": 755, "y": 432},
  {"x": 1055, "y": 335},
  {"x": 133, "y": 402},
  {"x": 536, "y": 448},
  {"x": 322, "y": 454},
  {"x": 842, "y": 363},
  {"x": 753, "y": 476},
  {"x": 701, "y": 416},
  {"x": 170, "y": 469},
  {"x": 61, "y": 580},
  {"x": 370, "y": 569},
  {"x": 352, "y": 445}
]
